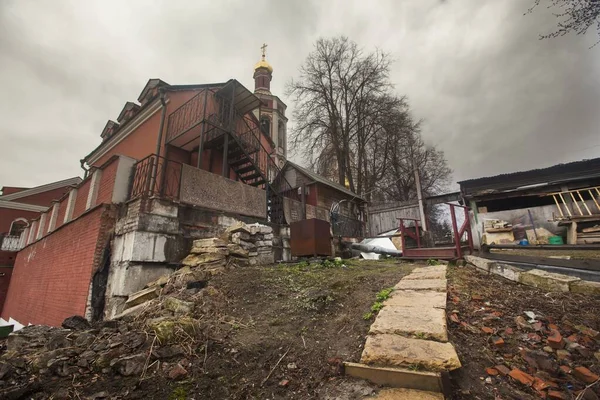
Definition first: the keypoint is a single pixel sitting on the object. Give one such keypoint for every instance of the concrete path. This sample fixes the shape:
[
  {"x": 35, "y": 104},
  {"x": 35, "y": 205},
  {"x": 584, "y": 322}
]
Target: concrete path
[{"x": 407, "y": 346}]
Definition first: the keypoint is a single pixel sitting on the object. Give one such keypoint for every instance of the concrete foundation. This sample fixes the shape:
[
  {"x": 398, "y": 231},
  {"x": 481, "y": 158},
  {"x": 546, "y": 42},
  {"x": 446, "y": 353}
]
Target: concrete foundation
[{"x": 153, "y": 236}]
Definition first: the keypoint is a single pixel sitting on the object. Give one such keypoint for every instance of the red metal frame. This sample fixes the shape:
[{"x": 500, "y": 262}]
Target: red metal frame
[{"x": 438, "y": 252}]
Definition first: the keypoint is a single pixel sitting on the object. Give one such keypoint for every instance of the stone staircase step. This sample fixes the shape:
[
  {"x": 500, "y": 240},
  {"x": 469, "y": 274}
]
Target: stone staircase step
[
  {"x": 424, "y": 323},
  {"x": 396, "y": 377},
  {"x": 430, "y": 268},
  {"x": 427, "y": 274},
  {"x": 407, "y": 394},
  {"x": 422, "y": 284},
  {"x": 397, "y": 351},
  {"x": 417, "y": 299}
]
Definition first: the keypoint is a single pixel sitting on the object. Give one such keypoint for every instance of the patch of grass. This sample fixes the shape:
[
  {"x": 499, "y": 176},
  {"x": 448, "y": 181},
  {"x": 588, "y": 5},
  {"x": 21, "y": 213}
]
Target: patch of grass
[
  {"x": 432, "y": 261},
  {"x": 381, "y": 296},
  {"x": 179, "y": 393},
  {"x": 384, "y": 294}
]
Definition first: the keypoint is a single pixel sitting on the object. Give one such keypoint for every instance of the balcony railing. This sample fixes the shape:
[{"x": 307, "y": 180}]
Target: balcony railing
[
  {"x": 156, "y": 176},
  {"x": 10, "y": 243}
]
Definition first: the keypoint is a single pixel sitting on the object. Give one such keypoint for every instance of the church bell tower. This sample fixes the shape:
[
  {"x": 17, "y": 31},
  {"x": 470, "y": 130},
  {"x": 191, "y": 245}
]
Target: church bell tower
[{"x": 273, "y": 121}]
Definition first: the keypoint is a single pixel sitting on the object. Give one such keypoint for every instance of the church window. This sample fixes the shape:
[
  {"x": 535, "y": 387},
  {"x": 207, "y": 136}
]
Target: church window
[{"x": 265, "y": 125}]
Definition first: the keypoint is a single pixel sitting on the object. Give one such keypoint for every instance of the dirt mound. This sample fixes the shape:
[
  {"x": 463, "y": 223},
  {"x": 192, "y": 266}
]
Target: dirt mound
[{"x": 231, "y": 332}]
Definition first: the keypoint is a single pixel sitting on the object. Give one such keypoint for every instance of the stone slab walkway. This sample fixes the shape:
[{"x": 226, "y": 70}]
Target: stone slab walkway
[{"x": 410, "y": 336}]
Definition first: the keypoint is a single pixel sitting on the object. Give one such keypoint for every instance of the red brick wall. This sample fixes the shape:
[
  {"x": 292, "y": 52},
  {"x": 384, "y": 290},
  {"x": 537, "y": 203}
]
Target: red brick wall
[
  {"x": 107, "y": 182},
  {"x": 7, "y": 216},
  {"x": 45, "y": 198},
  {"x": 51, "y": 278},
  {"x": 5, "y": 273},
  {"x": 82, "y": 195},
  {"x": 62, "y": 209},
  {"x": 142, "y": 142}
]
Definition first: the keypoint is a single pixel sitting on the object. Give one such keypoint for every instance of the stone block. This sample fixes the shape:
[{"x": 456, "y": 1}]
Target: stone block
[
  {"x": 423, "y": 323},
  {"x": 438, "y": 285},
  {"x": 209, "y": 249},
  {"x": 396, "y": 377},
  {"x": 237, "y": 250},
  {"x": 397, "y": 351},
  {"x": 264, "y": 243},
  {"x": 178, "y": 306},
  {"x": 506, "y": 271},
  {"x": 585, "y": 287},
  {"x": 407, "y": 394},
  {"x": 417, "y": 299},
  {"x": 426, "y": 275},
  {"x": 241, "y": 235},
  {"x": 210, "y": 242},
  {"x": 194, "y": 260},
  {"x": 430, "y": 268},
  {"x": 141, "y": 297},
  {"x": 547, "y": 280},
  {"x": 135, "y": 310},
  {"x": 479, "y": 262}
]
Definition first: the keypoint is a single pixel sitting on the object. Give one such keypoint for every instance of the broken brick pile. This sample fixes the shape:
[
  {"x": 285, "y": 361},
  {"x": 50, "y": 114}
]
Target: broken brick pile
[{"x": 552, "y": 359}]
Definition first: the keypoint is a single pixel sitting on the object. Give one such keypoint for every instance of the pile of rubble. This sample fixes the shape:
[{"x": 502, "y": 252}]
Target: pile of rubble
[
  {"x": 549, "y": 357},
  {"x": 256, "y": 239},
  {"x": 159, "y": 332}
]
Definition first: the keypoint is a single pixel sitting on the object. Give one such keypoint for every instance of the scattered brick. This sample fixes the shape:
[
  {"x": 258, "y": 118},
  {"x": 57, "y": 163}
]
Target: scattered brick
[
  {"x": 553, "y": 394},
  {"x": 585, "y": 375},
  {"x": 521, "y": 377},
  {"x": 503, "y": 370},
  {"x": 498, "y": 341},
  {"x": 552, "y": 327},
  {"x": 508, "y": 331},
  {"x": 573, "y": 338},
  {"x": 476, "y": 297},
  {"x": 284, "y": 383},
  {"x": 534, "y": 337},
  {"x": 537, "y": 326},
  {"x": 455, "y": 300},
  {"x": 487, "y": 330},
  {"x": 540, "y": 384},
  {"x": 454, "y": 318},
  {"x": 555, "y": 340},
  {"x": 566, "y": 369},
  {"x": 522, "y": 323},
  {"x": 587, "y": 331}
]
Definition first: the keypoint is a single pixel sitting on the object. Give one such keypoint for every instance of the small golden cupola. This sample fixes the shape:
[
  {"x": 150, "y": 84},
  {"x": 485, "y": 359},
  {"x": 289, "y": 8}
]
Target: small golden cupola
[{"x": 263, "y": 73}]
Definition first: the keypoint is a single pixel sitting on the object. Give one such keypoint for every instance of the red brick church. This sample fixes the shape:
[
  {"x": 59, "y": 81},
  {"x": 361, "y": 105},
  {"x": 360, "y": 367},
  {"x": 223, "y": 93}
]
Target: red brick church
[{"x": 183, "y": 162}]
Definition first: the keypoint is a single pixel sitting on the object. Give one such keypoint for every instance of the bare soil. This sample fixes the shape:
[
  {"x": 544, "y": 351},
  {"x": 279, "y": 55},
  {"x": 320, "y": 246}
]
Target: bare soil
[{"x": 488, "y": 301}]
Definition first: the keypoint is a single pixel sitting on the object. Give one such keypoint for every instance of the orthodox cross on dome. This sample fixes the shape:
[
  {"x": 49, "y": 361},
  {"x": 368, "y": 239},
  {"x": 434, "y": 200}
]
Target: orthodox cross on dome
[{"x": 264, "y": 50}]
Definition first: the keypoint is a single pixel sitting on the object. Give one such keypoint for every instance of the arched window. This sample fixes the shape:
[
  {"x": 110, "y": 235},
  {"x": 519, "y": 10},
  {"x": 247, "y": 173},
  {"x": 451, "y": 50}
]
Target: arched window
[
  {"x": 281, "y": 135},
  {"x": 18, "y": 226},
  {"x": 265, "y": 125}
]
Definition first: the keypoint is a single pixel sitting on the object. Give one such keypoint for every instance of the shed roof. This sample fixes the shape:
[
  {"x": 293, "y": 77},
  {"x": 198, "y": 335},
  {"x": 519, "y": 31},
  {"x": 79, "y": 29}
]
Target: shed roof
[
  {"x": 321, "y": 179},
  {"x": 560, "y": 173}
]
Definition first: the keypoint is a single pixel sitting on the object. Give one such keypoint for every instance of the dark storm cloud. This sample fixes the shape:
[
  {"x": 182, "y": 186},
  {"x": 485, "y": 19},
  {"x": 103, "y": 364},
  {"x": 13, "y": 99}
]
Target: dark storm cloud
[{"x": 493, "y": 96}]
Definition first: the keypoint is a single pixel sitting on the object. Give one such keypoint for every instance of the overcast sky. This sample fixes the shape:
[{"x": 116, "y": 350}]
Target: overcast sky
[{"x": 494, "y": 98}]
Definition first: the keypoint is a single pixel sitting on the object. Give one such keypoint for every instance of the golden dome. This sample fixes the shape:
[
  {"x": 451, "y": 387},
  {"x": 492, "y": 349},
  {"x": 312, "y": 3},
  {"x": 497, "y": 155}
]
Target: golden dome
[{"x": 263, "y": 64}]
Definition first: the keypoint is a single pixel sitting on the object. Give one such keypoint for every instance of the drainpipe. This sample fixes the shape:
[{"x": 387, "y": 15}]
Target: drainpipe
[
  {"x": 162, "y": 121},
  {"x": 159, "y": 141},
  {"x": 85, "y": 170}
]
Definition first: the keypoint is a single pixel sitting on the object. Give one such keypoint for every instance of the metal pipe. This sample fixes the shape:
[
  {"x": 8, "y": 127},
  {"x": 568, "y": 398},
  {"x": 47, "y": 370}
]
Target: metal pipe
[{"x": 162, "y": 121}]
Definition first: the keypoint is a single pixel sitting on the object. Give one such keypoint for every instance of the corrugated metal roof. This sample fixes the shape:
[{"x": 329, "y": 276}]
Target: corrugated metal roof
[{"x": 560, "y": 173}]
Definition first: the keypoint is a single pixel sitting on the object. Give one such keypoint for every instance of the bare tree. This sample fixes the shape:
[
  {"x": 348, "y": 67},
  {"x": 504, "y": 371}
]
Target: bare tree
[
  {"x": 576, "y": 16},
  {"x": 352, "y": 128},
  {"x": 334, "y": 82}
]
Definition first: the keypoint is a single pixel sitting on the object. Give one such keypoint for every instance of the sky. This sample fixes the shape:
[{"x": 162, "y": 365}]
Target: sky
[{"x": 493, "y": 96}]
